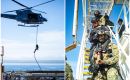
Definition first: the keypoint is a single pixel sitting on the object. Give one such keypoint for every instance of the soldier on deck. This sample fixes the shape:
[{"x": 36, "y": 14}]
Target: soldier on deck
[{"x": 104, "y": 65}]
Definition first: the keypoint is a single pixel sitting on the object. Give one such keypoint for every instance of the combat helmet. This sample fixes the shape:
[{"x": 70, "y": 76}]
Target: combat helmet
[{"x": 104, "y": 32}]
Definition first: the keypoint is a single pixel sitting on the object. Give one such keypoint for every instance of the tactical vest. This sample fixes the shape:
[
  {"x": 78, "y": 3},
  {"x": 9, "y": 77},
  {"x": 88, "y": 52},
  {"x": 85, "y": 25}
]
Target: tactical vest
[{"x": 110, "y": 52}]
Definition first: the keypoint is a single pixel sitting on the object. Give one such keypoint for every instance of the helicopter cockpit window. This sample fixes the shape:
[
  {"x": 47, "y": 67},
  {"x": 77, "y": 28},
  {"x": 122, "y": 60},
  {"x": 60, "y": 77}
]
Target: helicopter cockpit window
[
  {"x": 40, "y": 15},
  {"x": 32, "y": 17}
]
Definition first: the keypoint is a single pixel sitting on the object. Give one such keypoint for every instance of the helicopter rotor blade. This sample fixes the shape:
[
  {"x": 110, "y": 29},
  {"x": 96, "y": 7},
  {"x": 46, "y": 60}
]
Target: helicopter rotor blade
[
  {"x": 20, "y": 4},
  {"x": 10, "y": 11},
  {"x": 39, "y": 11},
  {"x": 42, "y": 4},
  {"x": 13, "y": 10}
]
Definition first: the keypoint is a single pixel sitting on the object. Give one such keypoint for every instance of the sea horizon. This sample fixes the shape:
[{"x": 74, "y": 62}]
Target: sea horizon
[
  {"x": 31, "y": 61},
  {"x": 33, "y": 66}
]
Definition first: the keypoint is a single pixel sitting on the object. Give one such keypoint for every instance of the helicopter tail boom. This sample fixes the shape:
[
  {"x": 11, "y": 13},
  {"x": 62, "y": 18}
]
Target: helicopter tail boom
[{"x": 10, "y": 16}]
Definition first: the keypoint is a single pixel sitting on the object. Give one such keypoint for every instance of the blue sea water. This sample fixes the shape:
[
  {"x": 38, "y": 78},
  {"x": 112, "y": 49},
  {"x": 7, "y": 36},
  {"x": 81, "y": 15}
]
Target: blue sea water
[{"x": 33, "y": 67}]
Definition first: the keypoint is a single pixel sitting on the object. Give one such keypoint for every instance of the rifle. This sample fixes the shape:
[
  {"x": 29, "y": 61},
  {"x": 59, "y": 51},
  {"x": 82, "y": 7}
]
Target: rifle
[{"x": 94, "y": 66}]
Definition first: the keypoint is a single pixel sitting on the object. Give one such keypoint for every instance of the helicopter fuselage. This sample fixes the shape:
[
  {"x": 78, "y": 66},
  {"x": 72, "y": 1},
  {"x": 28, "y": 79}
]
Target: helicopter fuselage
[{"x": 26, "y": 16}]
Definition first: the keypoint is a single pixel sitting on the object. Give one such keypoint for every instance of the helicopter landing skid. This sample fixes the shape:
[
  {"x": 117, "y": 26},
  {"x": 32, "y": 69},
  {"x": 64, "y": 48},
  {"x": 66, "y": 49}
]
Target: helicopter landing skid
[{"x": 28, "y": 25}]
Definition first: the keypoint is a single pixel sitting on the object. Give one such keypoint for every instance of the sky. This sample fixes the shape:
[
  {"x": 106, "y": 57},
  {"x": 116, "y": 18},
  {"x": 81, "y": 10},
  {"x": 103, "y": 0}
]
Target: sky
[
  {"x": 72, "y": 56},
  {"x": 19, "y": 42}
]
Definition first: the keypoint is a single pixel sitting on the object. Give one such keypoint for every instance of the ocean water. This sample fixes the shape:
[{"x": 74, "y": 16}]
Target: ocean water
[{"x": 33, "y": 66}]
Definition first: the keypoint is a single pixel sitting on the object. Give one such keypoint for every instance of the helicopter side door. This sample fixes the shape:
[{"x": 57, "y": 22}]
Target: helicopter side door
[
  {"x": 33, "y": 18},
  {"x": 22, "y": 16}
]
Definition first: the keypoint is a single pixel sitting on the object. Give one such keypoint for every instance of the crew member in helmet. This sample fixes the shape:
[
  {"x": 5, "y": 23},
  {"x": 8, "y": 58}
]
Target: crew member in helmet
[
  {"x": 97, "y": 14},
  {"x": 103, "y": 20},
  {"x": 100, "y": 18},
  {"x": 121, "y": 28}
]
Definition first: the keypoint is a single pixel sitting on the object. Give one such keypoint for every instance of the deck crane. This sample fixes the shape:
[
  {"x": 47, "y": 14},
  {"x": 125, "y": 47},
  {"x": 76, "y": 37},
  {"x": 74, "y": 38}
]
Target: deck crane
[
  {"x": 75, "y": 25},
  {"x": 104, "y": 6}
]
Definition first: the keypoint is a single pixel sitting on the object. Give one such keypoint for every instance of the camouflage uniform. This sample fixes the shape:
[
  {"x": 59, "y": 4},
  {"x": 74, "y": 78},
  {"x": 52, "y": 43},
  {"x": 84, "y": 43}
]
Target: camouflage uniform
[{"x": 110, "y": 72}]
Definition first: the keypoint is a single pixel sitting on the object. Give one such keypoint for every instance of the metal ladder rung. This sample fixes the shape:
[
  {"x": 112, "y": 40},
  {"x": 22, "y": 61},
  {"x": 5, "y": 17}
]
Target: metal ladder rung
[
  {"x": 86, "y": 67},
  {"x": 87, "y": 73},
  {"x": 100, "y": 1},
  {"x": 86, "y": 57},
  {"x": 86, "y": 62}
]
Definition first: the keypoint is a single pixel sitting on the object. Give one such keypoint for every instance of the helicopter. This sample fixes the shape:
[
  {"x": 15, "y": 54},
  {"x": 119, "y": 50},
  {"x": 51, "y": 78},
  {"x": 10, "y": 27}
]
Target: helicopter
[{"x": 26, "y": 15}]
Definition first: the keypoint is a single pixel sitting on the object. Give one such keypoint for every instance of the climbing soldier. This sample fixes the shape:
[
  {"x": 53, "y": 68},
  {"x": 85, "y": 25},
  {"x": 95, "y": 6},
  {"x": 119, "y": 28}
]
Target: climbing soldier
[
  {"x": 100, "y": 18},
  {"x": 105, "y": 59},
  {"x": 103, "y": 20},
  {"x": 94, "y": 40}
]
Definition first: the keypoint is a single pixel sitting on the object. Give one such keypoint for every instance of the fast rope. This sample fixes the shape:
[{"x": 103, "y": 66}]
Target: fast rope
[{"x": 36, "y": 48}]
